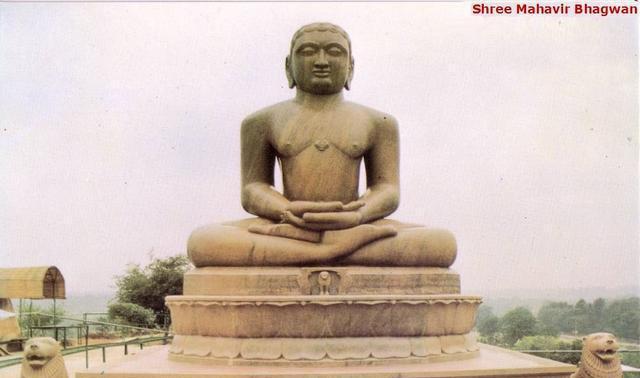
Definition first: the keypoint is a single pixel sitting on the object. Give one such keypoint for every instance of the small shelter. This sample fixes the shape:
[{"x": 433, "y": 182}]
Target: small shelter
[{"x": 44, "y": 282}]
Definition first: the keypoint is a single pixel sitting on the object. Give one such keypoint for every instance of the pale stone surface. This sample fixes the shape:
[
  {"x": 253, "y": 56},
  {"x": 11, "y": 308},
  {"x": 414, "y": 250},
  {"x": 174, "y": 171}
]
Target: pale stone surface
[
  {"x": 487, "y": 362},
  {"x": 304, "y": 281},
  {"x": 42, "y": 359},
  {"x": 599, "y": 357}
]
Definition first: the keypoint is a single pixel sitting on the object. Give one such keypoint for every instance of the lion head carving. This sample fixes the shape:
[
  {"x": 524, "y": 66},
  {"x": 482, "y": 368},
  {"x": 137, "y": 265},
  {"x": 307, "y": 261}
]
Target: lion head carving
[
  {"x": 599, "y": 357},
  {"x": 42, "y": 359}
]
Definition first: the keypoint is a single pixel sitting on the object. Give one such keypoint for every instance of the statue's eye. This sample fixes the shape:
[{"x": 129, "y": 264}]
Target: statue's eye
[
  {"x": 307, "y": 51},
  {"x": 334, "y": 51}
]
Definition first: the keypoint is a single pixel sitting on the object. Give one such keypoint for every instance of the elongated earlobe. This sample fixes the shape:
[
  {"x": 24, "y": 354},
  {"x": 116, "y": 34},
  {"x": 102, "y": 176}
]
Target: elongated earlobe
[
  {"x": 347, "y": 83},
  {"x": 287, "y": 69}
]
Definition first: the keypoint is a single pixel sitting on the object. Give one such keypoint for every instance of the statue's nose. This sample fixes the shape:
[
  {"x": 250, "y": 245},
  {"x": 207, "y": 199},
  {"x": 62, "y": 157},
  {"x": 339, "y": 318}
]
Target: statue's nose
[
  {"x": 322, "y": 61},
  {"x": 34, "y": 346},
  {"x": 609, "y": 341}
]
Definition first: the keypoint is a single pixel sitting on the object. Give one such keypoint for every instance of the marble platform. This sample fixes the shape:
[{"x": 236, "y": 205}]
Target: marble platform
[{"x": 488, "y": 361}]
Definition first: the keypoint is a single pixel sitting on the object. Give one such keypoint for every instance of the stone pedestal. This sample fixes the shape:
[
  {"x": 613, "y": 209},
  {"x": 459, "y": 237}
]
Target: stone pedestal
[
  {"x": 326, "y": 322},
  {"x": 271, "y": 281},
  {"x": 325, "y": 315}
]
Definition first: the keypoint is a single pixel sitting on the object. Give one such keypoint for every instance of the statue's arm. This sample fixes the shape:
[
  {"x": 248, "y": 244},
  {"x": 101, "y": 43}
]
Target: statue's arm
[
  {"x": 382, "y": 164},
  {"x": 257, "y": 165}
]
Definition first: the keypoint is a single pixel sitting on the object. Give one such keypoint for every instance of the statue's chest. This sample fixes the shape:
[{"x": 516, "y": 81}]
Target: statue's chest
[{"x": 345, "y": 136}]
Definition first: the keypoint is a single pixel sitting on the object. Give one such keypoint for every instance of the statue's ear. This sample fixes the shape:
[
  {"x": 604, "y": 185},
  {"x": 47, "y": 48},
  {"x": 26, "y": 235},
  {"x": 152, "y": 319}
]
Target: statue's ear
[
  {"x": 287, "y": 68},
  {"x": 347, "y": 84}
]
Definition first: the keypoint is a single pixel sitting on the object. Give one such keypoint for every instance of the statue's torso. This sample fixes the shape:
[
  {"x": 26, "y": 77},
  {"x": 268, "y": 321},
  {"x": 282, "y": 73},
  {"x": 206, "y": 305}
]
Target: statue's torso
[{"x": 320, "y": 151}]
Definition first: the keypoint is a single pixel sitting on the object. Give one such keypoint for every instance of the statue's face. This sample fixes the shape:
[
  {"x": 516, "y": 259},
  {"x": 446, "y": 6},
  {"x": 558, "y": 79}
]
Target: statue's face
[
  {"x": 38, "y": 351},
  {"x": 320, "y": 62}
]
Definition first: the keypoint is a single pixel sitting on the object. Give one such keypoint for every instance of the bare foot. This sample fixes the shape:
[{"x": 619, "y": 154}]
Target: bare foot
[{"x": 342, "y": 242}]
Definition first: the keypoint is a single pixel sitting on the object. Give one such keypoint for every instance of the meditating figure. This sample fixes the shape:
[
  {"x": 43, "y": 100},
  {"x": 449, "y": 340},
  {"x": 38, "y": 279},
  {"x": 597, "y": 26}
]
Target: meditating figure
[{"x": 320, "y": 140}]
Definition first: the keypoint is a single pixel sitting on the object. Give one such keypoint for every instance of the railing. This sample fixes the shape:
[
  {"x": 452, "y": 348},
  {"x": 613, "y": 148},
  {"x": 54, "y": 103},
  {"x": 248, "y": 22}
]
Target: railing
[
  {"x": 627, "y": 370},
  {"x": 86, "y": 348},
  {"x": 83, "y": 325}
]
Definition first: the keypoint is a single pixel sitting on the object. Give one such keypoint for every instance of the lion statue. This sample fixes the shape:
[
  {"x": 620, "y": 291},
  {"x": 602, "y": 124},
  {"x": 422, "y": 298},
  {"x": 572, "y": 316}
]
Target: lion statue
[
  {"x": 599, "y": 357},
  {"x": 42, "y": 359}
]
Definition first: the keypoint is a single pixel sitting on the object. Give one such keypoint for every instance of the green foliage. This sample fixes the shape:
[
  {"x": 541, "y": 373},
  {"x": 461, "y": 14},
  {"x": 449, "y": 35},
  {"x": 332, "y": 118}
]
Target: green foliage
[
  {"x": 44, "y": 316},
  {"x": 597, "y": 311},
  {"x": 131, "y": 314},
  {"x": 484, "y": 311},
  {"x": 631, "y": 359},
  {"x": 622, "y": 318},
  {"x": 520, "y": 329},
  {"x": 101, "y": 330},
  {"x": 551, "y": 343},
  {"x": 148, "y": 286},
  {"x": 517, "y": 324},
  {"x": 488, "y": 325},
  {"x": 555, "y": 318}
]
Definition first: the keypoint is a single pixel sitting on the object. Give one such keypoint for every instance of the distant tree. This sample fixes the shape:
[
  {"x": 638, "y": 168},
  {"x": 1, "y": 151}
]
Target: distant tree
[
  {"x": 597, "y": 313},
  {"x": 516, "y": 324},
  {"x": 484, "y": 311},
  {"x": 544, "y": 330},
  {"x": 622, "y": 317},
  {"x": 551, "y": 344},
  {"x": 131, "y": 314},
  {"x": 581, "y": 317},
  {"x": 555, "y": 317},
  {"x": 148, "y": 286},
  {"x": 488, "y": 325}
]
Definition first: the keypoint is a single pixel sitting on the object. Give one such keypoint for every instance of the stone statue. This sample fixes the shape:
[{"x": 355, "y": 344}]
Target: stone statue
[
  {"x": 42, "y": 358},
  {"x": 599, "y": 357},
  {"x": 320, "y": 140}
]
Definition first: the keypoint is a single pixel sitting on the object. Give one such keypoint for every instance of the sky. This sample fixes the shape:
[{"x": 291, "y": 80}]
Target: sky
[{"x": 119, "y": 131}]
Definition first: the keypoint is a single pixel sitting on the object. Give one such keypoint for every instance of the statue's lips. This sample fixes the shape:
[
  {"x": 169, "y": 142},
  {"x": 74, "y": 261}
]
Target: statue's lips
[
  {"x": 321, "y": 73},
  {"x": 607, "y": 354},
  {"x": 37, "y": 360}
]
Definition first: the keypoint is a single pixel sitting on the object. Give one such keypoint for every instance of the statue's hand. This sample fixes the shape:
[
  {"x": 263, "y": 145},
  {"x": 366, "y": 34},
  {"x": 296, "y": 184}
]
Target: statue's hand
[
  {"x": 331, "y": 221},
  {"x": 352, "y": 206},
  {"x": 298, "y": 208},
  {"x": 320, "y": 216}
]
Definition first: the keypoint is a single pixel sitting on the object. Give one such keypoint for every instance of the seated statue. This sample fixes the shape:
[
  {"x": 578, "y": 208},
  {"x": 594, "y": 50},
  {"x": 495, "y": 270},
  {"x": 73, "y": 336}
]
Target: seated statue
[{"x": 320, "y": 140}]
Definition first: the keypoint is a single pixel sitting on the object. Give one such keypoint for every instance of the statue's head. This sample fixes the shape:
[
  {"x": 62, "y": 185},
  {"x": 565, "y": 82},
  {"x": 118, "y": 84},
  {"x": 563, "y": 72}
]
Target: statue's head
[
  {"x": 320, "y": 59},
  {"x": 602, "y": 345},
  {"x": 38, "y": 351}
]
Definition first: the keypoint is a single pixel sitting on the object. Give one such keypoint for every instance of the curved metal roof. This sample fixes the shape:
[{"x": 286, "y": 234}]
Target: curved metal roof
[{"x": 43, "y": 282}]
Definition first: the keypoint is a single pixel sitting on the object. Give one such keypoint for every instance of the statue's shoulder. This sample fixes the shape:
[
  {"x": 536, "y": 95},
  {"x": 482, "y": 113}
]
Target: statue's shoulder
[
  {"x": 265, "y": 116},
  {"x": 375, "y": 117}
]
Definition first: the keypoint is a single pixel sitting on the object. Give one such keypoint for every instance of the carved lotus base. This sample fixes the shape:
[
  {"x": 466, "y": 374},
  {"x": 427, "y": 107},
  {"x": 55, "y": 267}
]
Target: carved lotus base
[
  {"x": 342, "y": 315},
  {"x": 313, "y": 316},
  {"x": 347, "y": 351},
  {"x": 322, "y": 327}
]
